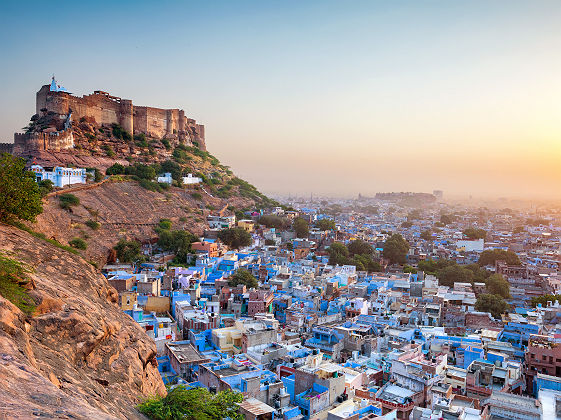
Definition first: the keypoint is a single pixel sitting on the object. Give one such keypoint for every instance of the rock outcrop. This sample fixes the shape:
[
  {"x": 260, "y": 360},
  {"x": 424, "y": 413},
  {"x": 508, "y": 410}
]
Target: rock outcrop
[{"x": 79, "y": 356}]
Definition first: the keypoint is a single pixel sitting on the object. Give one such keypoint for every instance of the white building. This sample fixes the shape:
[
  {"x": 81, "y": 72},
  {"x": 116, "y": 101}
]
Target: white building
[
  {"x": 190, "y": 179},
  {"x": 221, "y": 222},
  {"x": 471, "y": 245},
  {"x": 60, "y": 176},
  {"x": 165, "y": 178}
]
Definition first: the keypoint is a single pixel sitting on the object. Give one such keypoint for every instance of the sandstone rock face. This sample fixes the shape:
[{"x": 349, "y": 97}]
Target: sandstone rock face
[{"x": 79, "y": 356}]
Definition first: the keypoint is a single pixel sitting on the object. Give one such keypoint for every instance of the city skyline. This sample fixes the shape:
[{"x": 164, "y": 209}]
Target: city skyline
[{"x": 321, "y": 97}]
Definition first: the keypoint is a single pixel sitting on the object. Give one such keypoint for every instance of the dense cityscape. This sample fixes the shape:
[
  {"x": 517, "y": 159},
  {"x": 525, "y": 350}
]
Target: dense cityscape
[
  {"x": 296, "y": 210},
  {"x": 399, "y": 306}
]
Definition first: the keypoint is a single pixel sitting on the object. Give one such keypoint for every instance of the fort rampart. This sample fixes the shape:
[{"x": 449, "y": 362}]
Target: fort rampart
[{"x": 107, "y": 109}]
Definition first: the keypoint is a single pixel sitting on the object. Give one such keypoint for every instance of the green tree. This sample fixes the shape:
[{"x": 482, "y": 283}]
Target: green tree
[
  {"x": 474, "y": 233},
  {"x": 193, "y": 404},
  {"x": 409, "y": 269},
  {"x": 141, "y": 171},
  {"x": 491, "y": 303},
  {"x": 498, "y": 285},
  {"x": 432, "y": 266},
  {"x": 164, "y": 224},
  {"x": 480, "y": 275},
  {"x": 301, "y": 227},
  {"x": 454, "y": 274},
  {"x": 395, "y": 249},
  {"x": 544, "y": 299},
  {"x": 490, "y": 256},
  {"x": 172, "y": 167},
  {"x": 46, "y": 186},
  {"x": 338, "y": 253},
  {"x": 366, "y": 262},
  {"x": 272, "y": 221},
  {"x": 426, "y": 235},
  {"x": 128, "y": 251},
  {"x": 115, "y": 169},
  {"x": 326, "y": 224},
  {"x": 243, "y": 276},
  {"x": 177, "y": 241},
  {"x": 98, "y": 176},
  {"x": 235, "y": 237},
  {"x": 360, "y": 247},
  {"x": 20, "y": 196}
]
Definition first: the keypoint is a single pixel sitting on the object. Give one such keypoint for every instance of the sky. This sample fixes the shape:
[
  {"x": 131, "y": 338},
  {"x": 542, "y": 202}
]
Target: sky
[{"x": 331, "y": 97}]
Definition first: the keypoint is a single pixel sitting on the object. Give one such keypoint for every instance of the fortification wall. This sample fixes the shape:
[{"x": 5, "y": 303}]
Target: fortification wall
[
  {"x": 106, "y": 109},
  {"x": 58, "y": 141},
  {"x": 6, "y": 147}
]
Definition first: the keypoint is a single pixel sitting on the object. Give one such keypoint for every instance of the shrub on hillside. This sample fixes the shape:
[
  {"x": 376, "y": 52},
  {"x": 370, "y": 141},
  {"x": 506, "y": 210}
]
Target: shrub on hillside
[
  {"x": 66, "y": 201},
  {"x": 92, "y": 224},
  {"x": 78, "y": 243},
  {"x": 13, "y": 278}
]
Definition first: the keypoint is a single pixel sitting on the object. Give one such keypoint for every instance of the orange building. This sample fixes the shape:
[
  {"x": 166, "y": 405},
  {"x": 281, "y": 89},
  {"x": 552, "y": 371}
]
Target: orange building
[{"x": 209, "y": 247}]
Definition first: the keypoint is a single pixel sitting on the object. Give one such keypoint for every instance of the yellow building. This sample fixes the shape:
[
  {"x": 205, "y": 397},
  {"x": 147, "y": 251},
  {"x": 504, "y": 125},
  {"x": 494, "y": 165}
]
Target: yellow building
[
  {"x": 246, "y": 224},
  {"x": 127, "y": 300}
]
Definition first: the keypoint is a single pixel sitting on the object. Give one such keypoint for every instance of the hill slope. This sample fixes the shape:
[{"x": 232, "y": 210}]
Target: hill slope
[{"x": 79, "y": 356}]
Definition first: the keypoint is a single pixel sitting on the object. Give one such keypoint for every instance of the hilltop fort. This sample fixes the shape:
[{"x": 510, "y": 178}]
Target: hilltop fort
[{"x": 53, "y": 127}]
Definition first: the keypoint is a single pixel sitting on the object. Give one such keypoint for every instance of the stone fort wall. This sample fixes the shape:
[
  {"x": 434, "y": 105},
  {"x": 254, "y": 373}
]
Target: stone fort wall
[
  {"x": 56, "y": 141},
  {"x": 107, "y": 109},
  {"x": 6, "y": 148}
]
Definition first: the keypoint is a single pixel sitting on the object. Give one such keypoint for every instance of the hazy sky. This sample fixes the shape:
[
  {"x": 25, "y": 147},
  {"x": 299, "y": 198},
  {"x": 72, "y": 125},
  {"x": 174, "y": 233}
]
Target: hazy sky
[{"x": 335, "y": 97}]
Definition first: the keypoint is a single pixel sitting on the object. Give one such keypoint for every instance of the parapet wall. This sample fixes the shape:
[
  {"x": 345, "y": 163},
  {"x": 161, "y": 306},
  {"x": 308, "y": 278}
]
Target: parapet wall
[
  {"x": 6, "y": 147},
  {"x": 58, "y": 141}
]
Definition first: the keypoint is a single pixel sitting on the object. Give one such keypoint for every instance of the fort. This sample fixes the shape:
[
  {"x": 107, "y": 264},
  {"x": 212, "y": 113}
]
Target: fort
[{"x": 101, "y": 108}]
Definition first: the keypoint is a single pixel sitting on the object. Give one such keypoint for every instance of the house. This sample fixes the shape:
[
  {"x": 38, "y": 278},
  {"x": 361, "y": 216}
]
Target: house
[
  {"x": 221, "y": 222},
  {"x": 165, "y": 178},
  {"x": 191, "y": 180},
  {"x": 211, "y": 248},
  {"x": 185, "y": 359},
  {"x": 253, "y": 409},
  {"x": 60, "y": 176},
  {"x": 247, "y": 224}
]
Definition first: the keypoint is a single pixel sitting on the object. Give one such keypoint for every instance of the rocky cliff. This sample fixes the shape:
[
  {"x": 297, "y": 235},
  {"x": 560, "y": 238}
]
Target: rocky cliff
[{"x": 78, "y": 356}]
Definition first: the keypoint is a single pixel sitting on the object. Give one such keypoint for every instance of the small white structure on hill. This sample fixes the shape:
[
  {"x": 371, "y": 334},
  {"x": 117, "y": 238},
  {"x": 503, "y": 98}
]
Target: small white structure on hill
[
  {"x": 190, "y": 179},
  {"x": 60, "y": 176},
  {"x": 165, "y": 178}
]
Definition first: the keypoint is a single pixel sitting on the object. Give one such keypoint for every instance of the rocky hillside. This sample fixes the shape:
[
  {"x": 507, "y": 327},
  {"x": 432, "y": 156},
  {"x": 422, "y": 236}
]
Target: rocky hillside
[
  {"x": 131, "y": 204},
  {"x": 79, "y": 356},
  {"x": 125, "y": 210}
]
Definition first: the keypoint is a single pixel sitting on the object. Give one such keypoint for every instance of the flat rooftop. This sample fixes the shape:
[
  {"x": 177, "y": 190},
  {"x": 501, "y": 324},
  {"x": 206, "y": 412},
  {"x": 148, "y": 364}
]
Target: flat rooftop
[{"x": 185, "y": 353}]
